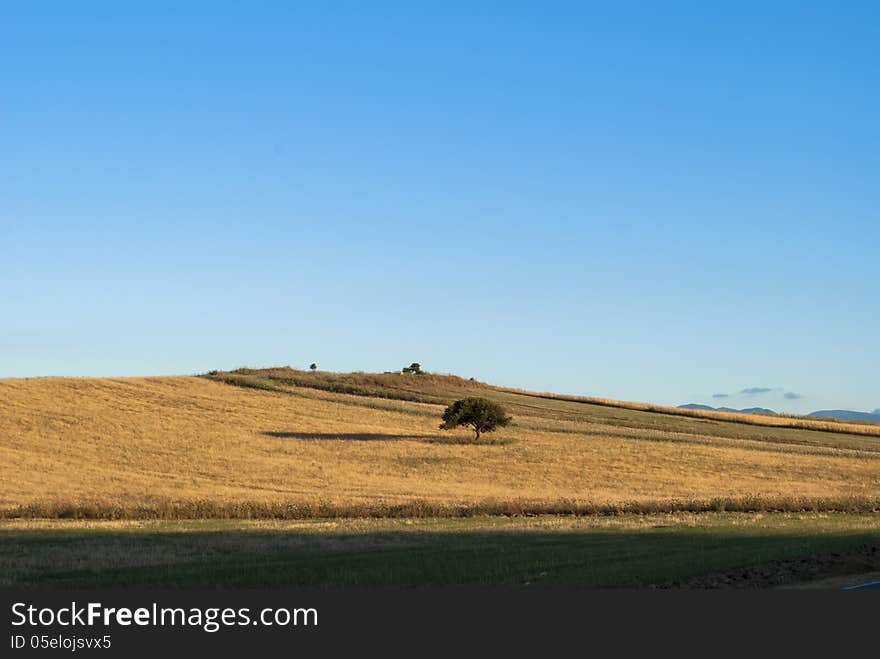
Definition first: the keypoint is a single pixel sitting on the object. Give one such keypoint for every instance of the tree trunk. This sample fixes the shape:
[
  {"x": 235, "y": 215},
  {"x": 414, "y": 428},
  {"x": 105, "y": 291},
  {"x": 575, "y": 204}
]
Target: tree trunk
[{"x": 477, "y": 430}]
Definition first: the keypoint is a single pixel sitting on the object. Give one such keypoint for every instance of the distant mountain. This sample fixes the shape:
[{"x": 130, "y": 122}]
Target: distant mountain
[
  {"x": 747, "y": 410},
  {"x": 848, "y": 415},
  {"x": 841, "y": 415},
  {"x": 753, "y": 410}
]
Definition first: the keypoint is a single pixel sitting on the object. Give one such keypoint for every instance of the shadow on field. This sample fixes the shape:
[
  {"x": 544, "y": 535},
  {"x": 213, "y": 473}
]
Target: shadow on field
[
  {"x": 352, "y": 436},
  {"x": 386, "y": 437},
  {"x": 325, "y": 554}
]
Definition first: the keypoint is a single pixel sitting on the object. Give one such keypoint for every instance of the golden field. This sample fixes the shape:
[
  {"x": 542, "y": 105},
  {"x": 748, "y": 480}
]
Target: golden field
[{"x": 141, "y": 441}]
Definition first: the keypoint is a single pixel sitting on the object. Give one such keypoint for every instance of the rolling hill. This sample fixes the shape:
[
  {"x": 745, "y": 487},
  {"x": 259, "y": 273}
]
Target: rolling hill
[
  {"x": 279, "y": 477},
  {"x": 281, "y": 442}
]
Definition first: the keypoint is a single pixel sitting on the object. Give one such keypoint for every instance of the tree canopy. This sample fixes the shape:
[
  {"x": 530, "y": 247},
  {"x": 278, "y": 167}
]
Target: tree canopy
[{"x": 481, "y": 414}]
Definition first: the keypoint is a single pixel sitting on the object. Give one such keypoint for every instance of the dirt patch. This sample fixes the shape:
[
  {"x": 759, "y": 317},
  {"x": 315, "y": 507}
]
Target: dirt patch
[{"x": 833, "y": 570}]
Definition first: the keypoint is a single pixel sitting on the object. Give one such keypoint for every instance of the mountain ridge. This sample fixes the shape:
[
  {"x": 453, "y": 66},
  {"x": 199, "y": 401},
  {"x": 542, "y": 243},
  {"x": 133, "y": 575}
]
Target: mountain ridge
[
  {"x": 840, "y": 415},
  {"x": 745, "y": 410}
]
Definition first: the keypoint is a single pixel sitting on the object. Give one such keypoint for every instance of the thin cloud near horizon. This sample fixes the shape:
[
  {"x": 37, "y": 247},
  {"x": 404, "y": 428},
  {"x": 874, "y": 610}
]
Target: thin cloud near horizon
[
  {"x": 754, "y": 391},
  {"x": 760, "y": 391}
]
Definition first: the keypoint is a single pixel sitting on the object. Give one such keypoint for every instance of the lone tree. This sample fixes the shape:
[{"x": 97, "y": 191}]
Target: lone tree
[
  {"x": 313, "y": 366},
  {"x": 415, "y": 367},
  {"x": 479, "y": 413}
]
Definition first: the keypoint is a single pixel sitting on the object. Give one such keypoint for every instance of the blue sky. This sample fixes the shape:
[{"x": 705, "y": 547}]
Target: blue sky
[{"x": 647, "y": 201}]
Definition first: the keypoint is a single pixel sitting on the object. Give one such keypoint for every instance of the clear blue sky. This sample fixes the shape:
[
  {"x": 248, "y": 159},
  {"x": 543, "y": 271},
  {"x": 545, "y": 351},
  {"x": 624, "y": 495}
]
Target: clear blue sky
[{"x": 639, "y": 200}]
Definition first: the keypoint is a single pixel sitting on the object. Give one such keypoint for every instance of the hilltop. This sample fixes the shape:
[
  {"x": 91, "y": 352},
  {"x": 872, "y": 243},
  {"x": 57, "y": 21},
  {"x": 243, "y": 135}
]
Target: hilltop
[{"x": 444, "y": 388}]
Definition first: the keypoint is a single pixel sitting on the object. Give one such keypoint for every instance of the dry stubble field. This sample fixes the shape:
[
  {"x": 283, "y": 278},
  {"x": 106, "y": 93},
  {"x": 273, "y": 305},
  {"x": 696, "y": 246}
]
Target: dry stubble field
[{"x": 145, "y": 441}]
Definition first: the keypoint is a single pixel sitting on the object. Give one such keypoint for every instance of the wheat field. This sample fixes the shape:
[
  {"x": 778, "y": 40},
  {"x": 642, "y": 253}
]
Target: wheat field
[{"x": 145, "y": 441}]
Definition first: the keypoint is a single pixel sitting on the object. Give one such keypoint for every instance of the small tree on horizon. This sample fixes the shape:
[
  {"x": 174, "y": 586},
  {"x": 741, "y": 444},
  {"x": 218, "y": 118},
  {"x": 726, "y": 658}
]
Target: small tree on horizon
[
  {"x": 313, "y": 367},
  {"x": 415, "y": 367},
  {"x": 481, "y": 414}
]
